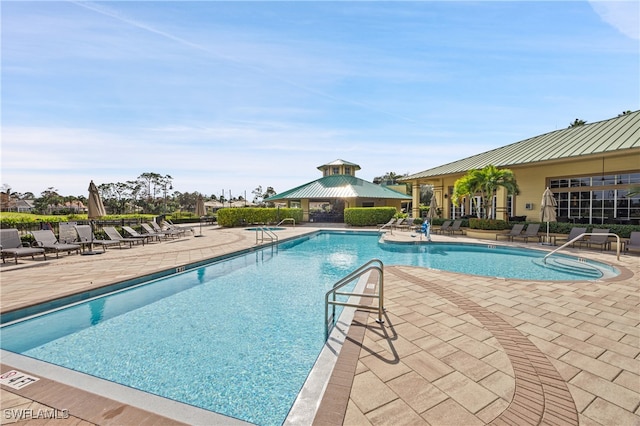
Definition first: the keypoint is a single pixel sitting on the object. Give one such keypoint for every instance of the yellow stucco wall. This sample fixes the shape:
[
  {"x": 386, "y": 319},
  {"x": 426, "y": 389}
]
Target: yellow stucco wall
[{"x": 533, "y": 179}]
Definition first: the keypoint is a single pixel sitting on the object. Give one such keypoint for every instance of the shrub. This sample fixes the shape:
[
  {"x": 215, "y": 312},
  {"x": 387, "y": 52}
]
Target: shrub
[
  {"x": 368, "y": 216},
  {"x": 230, "y": 217},
  {"x": 489, "y": 224}
]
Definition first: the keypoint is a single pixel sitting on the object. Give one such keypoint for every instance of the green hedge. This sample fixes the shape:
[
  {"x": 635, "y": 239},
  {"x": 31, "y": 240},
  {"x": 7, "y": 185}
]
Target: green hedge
[
  {"x": 623, "y": 231},
  {"x": 490, "y": 224},
  {"x": 230, "y": 217},
  {"x": 368, "y": 216}
]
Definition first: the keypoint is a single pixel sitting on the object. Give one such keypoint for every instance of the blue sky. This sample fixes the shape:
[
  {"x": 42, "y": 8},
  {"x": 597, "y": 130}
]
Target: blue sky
[{"x": 232, "y": 95}]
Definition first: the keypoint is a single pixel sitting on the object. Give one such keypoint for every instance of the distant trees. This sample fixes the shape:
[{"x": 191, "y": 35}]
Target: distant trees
[{"x": 577, "y": 123}]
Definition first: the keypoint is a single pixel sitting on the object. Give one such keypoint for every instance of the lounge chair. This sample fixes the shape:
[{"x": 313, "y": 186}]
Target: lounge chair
[
  {"x": 12, "y": 246},
  {"x": 572, "y": 234},
  {"x": 167, "y": 231},
  {"x": 455, "y": 227},
  {"x": 513, "y": 232},
  {"x": 443, "y": 228},
  {"x": 85, "y": 233},
  {"x": 47, "y": 240},
  {"x": 148, "y": 230},
  {"x": 407, "y": 224},
  {"x": 184, "y": 228},
  {"x": 135, "y": 234},
  {"x": 600, "y": 240},
  {"x": 531, "y": 232},
  {"x": 114, "y": 235},
  {"x": 633, "y": 243},
  {"x": 399, "y": 223},
  {"x": 173, "y": 228}
]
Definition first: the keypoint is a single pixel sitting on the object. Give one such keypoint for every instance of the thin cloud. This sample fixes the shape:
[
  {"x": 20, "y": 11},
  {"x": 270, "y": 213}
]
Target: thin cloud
[
  {"x": 622, "y": 15},
  {"x": 144, "y": 26}
]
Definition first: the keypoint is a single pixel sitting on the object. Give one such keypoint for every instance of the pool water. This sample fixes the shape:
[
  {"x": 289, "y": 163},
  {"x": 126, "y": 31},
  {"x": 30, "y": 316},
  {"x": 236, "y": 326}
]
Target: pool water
[{"x": 239, "y": 336}]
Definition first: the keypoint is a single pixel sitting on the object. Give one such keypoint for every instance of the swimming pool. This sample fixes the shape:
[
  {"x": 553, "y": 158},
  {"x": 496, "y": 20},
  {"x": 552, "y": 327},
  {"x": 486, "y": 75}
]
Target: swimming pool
[{"x": 242, "y": 333}]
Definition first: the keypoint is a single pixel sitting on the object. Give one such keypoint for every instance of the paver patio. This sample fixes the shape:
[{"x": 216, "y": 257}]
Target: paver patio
[{"x": 455, "y": 349}]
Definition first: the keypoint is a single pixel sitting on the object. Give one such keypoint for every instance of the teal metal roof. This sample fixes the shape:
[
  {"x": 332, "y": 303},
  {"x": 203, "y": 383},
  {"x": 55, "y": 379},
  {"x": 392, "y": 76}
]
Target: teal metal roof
[
  {"x": 615, "y": 134},
  {"x": 339, "y": 186}
]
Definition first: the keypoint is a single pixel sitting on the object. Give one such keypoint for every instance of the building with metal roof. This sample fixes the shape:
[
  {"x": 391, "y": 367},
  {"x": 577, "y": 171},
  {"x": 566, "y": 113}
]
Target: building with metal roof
[
  {"x": 324, "y": 199},
  {"x": 590, "y": 168}
]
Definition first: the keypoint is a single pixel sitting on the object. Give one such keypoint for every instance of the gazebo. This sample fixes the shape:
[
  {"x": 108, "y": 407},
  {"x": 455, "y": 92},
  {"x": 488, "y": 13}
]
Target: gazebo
[{"x": 324, "y": 199}]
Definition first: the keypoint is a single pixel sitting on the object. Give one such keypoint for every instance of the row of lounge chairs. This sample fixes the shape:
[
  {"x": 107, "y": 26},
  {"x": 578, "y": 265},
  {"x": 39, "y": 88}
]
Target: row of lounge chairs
[
  {"x": 75, "y": 238},
  {"x": 449, "y": 227},
  {"x": 519, "y": 232}
]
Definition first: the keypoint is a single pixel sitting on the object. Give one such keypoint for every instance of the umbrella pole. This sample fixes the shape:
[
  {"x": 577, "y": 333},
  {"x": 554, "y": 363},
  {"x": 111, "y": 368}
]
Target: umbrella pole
[{"x": 200, "y": 234}]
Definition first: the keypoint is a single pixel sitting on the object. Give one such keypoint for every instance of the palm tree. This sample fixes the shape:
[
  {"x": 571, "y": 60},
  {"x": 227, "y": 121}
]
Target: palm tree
[
  {"x": 577, "y": 123},
  {"x": 485, "y": 181}
]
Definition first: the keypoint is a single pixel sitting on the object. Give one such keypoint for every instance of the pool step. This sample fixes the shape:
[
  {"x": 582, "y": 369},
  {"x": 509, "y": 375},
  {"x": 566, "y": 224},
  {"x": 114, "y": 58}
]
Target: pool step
[{"x": 574, "y": 267}]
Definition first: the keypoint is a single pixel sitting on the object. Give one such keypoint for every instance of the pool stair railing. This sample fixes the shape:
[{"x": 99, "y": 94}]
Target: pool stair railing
[
  {"x": 260, "y": 235},
  {"x": 331, "y": 297},
  {"x": 287, "y": 219},
  {"x": 579, "y": 237}
]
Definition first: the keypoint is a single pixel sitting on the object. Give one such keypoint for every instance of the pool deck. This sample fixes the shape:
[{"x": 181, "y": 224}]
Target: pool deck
[{"x": 454, "y": 350}]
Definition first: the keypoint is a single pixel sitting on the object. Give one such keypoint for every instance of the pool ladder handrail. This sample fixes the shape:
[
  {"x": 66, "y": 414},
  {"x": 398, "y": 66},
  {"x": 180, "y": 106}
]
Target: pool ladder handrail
[
  {"x": 373, "y": 264},
  {"x": 287, "y": 219},
  {"x": 579, "y": 237},
  {"x": 385, "y": 227},
  {"x": 270, "y": 234}
]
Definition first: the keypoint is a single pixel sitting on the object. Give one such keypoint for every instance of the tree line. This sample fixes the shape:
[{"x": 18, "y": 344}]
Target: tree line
[{"x": 150, "y": 193}]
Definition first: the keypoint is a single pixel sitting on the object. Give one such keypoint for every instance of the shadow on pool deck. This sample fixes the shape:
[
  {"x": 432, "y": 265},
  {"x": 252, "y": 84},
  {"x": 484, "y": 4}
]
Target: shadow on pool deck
[{"x": 455, "y": 349}]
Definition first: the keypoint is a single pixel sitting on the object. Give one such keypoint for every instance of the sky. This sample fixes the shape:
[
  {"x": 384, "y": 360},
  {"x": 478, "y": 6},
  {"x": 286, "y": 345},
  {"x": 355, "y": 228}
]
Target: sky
[{"x": 230, "y": 95}]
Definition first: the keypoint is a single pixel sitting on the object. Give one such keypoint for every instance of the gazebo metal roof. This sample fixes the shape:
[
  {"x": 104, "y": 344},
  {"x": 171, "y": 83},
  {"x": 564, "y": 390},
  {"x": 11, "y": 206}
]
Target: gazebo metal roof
[{"x": 339, "y": 186}]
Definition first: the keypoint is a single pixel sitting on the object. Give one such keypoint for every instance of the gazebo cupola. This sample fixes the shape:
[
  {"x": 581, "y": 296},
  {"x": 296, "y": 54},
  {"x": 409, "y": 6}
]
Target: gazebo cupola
[{"x": 339, "y": 167}]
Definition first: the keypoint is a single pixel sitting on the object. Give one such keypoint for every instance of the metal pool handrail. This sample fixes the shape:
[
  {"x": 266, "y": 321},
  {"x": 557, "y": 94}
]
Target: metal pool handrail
[
  {"x": 270, "y": 234},
  {"x": 373, "y": 264},
  {"x": 544, "y": 259},
  {"x": 287, "y": 219}
]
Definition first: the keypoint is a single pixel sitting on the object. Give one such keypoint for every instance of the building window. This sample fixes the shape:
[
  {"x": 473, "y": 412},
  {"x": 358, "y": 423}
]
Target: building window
[
  {"x": 597, "y": 199},
  {"x": 336, "y": 170},
  {"x": 347, "y": 170}
]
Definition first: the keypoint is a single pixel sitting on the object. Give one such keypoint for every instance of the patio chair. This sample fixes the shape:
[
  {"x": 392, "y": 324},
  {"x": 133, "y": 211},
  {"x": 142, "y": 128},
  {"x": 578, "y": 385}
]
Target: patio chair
[
  {"x": 148, "y": 230},
  {"x": 12, "y": 246},
  {"x": 47, "y": 240},
  {"x": 599, "y": 240},
  {"x": 531, "y": 232},
  {"x": 443, "y": 228},
  {"x": 572, "y": 234},
  {"x": 633, "y": 243},
  {"x": 173, "y": 228},
  {"x": 184, "y": 228},
  {"x": 85, "y": 233},
  {"x": 399, "y": 223},
  {"x": 407, "y": 224},
  {"x": 135, "y": 234},
  {"x": 515, "y": 231},
  {"x": 114, "y": 235},
  {"x": 167, "y": 231},
  {"x": 455, "y": 227}
]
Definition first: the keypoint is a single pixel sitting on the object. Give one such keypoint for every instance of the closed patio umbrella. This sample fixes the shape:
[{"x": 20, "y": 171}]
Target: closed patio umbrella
[
  {"x": 95, "y": 210},
  {"x": 548, "y": 209},
  {"x": 200, "y": 211}
]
